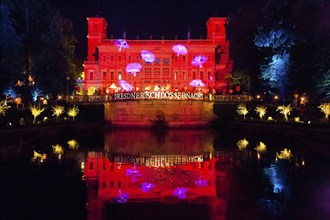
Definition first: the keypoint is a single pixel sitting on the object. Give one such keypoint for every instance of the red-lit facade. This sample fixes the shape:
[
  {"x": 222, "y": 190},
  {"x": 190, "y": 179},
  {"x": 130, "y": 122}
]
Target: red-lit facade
[{"x": 106, "y": 64}]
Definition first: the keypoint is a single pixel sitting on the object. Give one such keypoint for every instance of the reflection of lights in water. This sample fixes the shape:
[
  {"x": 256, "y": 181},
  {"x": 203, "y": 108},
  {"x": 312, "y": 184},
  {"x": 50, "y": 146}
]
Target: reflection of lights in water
[
  {"x": 73, "y": 144},
  {"x": 37, "y": 155},
  {"x": 284, "y": 154},
  {"x": 272, "y": 173},
  {"x": 122, "y": 197},
  {"x": 58, "y": 149},
  {"x": 261, "y": 148},
  {"x": 146, "y": 187},
  {"x": 180, "y": 192},
  {"x": 132, "y": 172},
  {"x": 201, "y": 182},
  {"x": 242, "y": 144}
]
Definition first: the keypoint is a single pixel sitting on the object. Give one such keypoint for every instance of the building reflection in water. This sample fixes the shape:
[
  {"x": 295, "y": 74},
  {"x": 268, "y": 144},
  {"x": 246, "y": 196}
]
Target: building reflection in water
[{"x": 170, "y": 168}]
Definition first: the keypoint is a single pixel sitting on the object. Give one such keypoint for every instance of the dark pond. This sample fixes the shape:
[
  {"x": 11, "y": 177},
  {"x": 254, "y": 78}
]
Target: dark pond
[{"x": 173, "y": 174}]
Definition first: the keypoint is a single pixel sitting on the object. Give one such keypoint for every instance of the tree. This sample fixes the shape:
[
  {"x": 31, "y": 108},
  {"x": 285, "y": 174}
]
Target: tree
[
  {"x": 311, "y": 52},
  {"x": 276, "y": 42},
  {"x": 10, "y": 48},
  {"x": 49, "y": 44},
  {"x": 241, "y": 31}
]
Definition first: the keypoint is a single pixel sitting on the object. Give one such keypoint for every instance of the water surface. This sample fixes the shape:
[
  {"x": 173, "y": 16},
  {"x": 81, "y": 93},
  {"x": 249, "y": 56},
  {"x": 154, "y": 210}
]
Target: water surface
[{"x": 172, "y": 174}]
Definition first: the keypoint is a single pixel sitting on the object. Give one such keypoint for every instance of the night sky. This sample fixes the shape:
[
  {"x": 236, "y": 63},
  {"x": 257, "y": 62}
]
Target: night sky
[{"x": 145, "y": 18}]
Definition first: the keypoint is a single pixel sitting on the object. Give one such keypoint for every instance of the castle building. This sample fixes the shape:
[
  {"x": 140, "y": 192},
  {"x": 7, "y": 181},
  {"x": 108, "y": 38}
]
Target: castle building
[{"x": 170, "y": 70}]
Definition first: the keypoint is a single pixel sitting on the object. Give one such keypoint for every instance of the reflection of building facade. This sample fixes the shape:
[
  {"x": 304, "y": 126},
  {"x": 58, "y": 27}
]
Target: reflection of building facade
[
  {"x": 109, "y": 175},
  {"x": 106, "y": 64}
]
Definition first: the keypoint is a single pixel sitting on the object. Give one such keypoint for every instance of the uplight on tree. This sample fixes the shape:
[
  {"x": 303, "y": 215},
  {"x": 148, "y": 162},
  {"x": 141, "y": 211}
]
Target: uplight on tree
[
  {"x": 325, "y": 108},
  {"x": 57, "y": 110},
  {"x": 242, "y": 110},
  {"x": 285, "y": 110},
  {"x": 3, "y": 108},
  {"x": 73, "y": 112},
  {"x": 261, "y": 110},
  {"x": 36, "y": 111}
]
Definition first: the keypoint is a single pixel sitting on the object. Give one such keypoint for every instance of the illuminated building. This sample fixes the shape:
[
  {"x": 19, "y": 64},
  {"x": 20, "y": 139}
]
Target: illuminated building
[{"x": 170, "y": 70}]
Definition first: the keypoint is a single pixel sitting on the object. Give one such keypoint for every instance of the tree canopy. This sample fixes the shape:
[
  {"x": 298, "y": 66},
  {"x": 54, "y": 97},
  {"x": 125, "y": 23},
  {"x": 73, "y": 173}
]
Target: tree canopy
[{"x": 47, "y": 46}]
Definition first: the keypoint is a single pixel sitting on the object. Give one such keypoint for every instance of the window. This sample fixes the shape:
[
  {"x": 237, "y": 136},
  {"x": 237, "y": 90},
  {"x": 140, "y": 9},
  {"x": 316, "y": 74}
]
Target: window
[
  {"x": 91, "y": 75},
  {"x": 184, "y": 75},
  {"x": 119, "y": 58},
  {"x": 119, "y": 184},
  {"x": 194, "y": 75},
  {"x": 111, "y": 58},
  {"x": 166, "y": 73},
  {"x": 104, "y": 166},
  {"x": 202, "y": 75},
  {"x": 166, "y": 61},
  {"x": 111, "y": 183},
  {"x": 104, "y": 58},
  {"x": 104, "y": 75},
  {"x": 157, "y": 73},
  {"x": 119, "y": 76},
  {"x": 91, "y": 166},
  {"x": 175, "y": 75},
  {"x": 148, "y": 72}
]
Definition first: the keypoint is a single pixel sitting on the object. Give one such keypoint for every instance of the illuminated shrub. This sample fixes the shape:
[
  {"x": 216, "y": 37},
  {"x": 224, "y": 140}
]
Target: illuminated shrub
[
  {"x": 285, "y": 110},
  {"x": 325, "y": 108},
  {"x": 73, "y": 112},
  {"x": 242, "y": 110},
  {"x": 57, "y": 110},
  {"x": 36, "y": 111},
  {"x": 261, "y": 110},
  {"x": 242, "y": 144},
  {"x": 3, "y": 108}
]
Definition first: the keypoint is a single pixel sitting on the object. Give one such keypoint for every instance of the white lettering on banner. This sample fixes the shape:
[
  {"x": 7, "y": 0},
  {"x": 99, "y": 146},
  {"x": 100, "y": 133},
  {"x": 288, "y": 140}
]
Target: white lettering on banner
[{"x": 159, "y": 95}]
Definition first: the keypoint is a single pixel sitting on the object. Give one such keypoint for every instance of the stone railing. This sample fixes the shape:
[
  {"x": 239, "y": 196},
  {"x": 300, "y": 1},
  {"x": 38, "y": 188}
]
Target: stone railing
[
  {"x": 232, "y": 98},
  {"x": 107, "y": 98}
]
